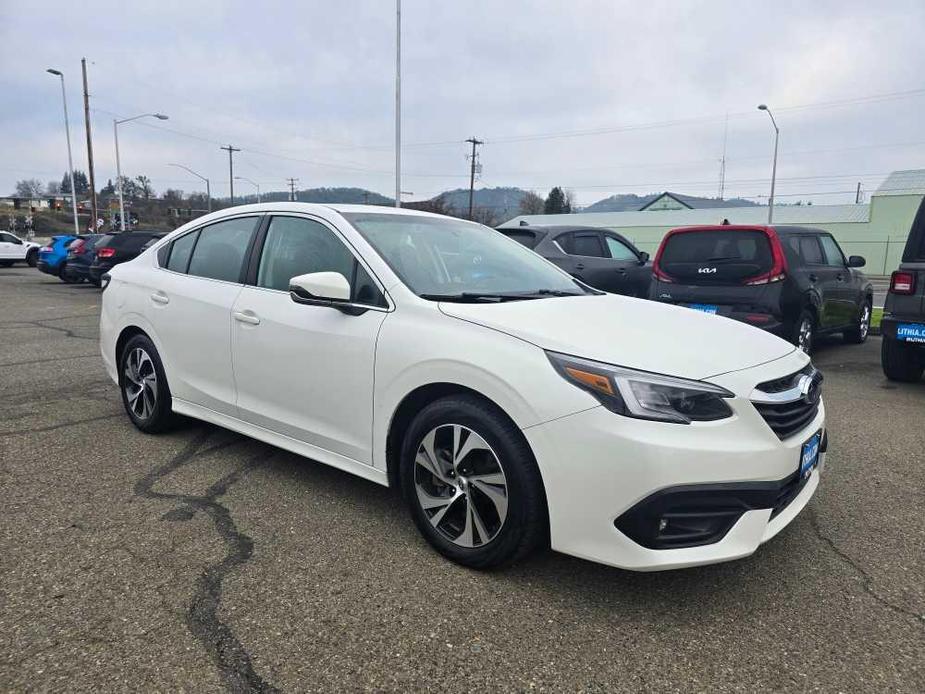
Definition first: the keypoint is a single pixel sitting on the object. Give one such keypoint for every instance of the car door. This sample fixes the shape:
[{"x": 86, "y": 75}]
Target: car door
[
  {"x": 822, "y": 278},
  {"x": 845, "y": 291},
  {"x": 190, "y": 305},
  {"x": 307, "y": 371},
  {"x": 626, "y": 276},
  {"x": 11, "y": 248}
]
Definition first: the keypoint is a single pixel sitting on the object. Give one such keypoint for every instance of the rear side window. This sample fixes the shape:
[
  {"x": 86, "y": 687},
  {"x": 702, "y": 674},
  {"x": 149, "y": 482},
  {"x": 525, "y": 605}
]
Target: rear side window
[
  {"x": 220, "y": 250},
  {"x": 588, "y": 245},
  {"x": 129, "y": 242},
  {"x": 716, "y": 257},
  {"x": 831, "y": 252},
  {"x": 180, "y": 252},
  {"x": 525, "y": 238}
]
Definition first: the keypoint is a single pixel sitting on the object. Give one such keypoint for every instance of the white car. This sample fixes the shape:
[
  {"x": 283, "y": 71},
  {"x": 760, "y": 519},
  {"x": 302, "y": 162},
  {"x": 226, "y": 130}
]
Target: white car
[
  {"x": 14, "y": 250},
  {"x": 511, "y": 404}
]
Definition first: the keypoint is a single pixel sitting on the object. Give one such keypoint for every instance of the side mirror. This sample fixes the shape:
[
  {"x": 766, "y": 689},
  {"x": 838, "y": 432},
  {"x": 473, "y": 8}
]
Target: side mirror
[
  {"x": 643, "y": 257},
  {"x": 323, "y": 289},
  {"x": 856, "y": 261}
]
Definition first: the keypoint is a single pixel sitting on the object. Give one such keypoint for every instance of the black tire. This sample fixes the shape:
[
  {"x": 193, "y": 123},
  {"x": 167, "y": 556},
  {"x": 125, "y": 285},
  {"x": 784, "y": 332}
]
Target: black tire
[
  {"x": 901, "y": 361},
  {"x": 63, "y": 276},
  {"x": 525, "y": 525},
  {"x": 32, "y": 258},
  {"x": 799, "y": 336},
  {"x": 858, "y": 334},
  {"x": 159, "y": 417}
]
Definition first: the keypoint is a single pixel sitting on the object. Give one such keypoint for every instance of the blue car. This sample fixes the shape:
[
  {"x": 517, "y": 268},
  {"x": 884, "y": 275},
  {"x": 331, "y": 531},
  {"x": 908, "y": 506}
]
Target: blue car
[{"x": 53, "y": 257}]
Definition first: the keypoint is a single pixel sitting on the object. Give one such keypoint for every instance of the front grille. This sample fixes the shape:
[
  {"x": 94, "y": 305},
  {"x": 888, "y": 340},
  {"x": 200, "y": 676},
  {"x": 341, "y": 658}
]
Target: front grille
[{"x": 790, "y": 403}]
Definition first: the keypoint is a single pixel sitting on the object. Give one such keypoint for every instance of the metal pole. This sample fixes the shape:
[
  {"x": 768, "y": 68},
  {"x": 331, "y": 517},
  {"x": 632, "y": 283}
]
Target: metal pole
[
  {"x": 773, "y": 176},
  {"x": 93, "y": 206},
  {"x": 397, "y": 103},
  {"x": 115, "y": 132},
  {"x": 200, "y": 176},
  {"x": 208, "y": 195},
  {"x": 475, "y": 142},
  {"x": 231, "y": 151},
  {"x": 70, "y": 161}
]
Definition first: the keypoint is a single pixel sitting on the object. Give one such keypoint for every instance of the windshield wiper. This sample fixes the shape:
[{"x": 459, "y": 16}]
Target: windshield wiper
[{"x": 498, "y": 297}]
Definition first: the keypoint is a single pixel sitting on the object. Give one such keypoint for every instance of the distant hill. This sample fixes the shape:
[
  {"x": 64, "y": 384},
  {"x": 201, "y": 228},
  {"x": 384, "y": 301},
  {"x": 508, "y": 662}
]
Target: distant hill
[
  {"x": 502, "y": 203},
  {"x": 344, "y": 196},
  {"x": 630, "y": 201}
]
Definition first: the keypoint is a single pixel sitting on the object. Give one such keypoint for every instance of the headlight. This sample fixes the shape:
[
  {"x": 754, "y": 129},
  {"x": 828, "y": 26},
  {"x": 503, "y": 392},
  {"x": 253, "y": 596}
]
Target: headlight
[{"x": 642, "y": 394}]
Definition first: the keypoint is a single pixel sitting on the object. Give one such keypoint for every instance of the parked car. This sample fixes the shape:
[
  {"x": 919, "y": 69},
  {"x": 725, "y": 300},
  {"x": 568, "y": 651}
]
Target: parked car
[
  {"x": 80, "y": 254},
  {"x": 53, "y": 257},
  {"x": 13, "y": 250},
  {"x": 902, "y": 352},
  {"x": 791, "y": 281},
  {"x": 512, "y": 404},
  {"x": 599, "y": 257},
  {"x": 112, "y": 249}
]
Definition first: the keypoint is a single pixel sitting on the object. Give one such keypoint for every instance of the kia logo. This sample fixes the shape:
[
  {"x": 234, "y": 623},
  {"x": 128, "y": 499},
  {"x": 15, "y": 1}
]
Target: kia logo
[{"x": 706, "y": 270}]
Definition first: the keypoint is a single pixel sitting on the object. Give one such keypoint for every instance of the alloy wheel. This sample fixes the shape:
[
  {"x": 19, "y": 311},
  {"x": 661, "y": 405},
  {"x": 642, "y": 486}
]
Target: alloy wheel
[
  {"x": 140, "y": 384},
  {"x": 460, "y": 485},
  {"x": 864, "y": 325},
  {"x": 805, "y": 339}
]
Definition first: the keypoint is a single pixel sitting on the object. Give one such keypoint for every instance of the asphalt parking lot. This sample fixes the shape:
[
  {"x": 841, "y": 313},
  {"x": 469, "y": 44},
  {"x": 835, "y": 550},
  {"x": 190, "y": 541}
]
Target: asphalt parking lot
[{"x": 202, "y": 560}]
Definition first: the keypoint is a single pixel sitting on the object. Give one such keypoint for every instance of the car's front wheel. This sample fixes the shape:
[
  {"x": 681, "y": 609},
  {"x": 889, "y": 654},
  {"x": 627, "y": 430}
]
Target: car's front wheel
[
  {"x": 859, "y": 332},
  {"x": 804, "y": 331},
  {"x": 472, "y": 484},
  {"x": 145, "y": 393},
  {"x": 32, "y": 258}
]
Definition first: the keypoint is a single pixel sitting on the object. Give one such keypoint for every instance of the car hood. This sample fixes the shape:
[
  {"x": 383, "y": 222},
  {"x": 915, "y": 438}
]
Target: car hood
[{"x": 630, "y": 332}]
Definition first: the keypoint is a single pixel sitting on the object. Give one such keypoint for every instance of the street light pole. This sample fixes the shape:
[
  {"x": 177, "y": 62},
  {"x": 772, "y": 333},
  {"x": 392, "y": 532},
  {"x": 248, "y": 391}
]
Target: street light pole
[
  {"x": 253, "y": 183},
  {"x": 764, "y": 107},
  {"x": 115, "y": 132},
  {"x": 70, "y": 161},
  {"x": 208, "y": 189},
  {"x": 397, "y": 103}
]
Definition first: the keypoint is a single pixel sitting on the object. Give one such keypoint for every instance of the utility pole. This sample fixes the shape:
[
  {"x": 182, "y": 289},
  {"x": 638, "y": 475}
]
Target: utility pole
[
  {"x": 292, "y": 182},
  {"x": 472, "y": 163},
  {"x": 231, "y": 150},
  {"x": 722, "y": 162},
  {"x": 93, "y": 208},
  {"x": 397, "y": 103}
]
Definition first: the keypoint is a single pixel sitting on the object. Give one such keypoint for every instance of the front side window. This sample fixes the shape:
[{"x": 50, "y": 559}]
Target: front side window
[
  {"x": 220, "y": 250},
  {"x": 618, "y": 249},
  {"x": 442, "y": 258},
  {"x": 831, "y": 251},
  {"x": 810, "y": 250},
  {"x": 296, "y": 246}
]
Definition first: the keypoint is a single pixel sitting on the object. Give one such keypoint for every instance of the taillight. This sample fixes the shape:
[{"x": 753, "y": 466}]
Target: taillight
[
  {"x": 77, "y": 246},
  {"x": 106, "y": 252},
  {"x": 778, "y": 269},
  {"x": 46, "y": 249},
  {"x": 657, "y": 272},
  {"x": 902, "y": 282}
]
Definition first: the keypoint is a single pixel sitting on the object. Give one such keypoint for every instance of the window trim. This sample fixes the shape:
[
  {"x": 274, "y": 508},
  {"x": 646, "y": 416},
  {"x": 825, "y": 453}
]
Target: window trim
[
  {"x": 169, "y": 240},
  {"x": 253, "y": 264}
]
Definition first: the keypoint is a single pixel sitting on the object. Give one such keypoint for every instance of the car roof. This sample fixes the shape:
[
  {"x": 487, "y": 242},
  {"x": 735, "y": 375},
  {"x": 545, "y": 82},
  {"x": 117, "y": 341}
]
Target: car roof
[{"x": 781, "y": 230}]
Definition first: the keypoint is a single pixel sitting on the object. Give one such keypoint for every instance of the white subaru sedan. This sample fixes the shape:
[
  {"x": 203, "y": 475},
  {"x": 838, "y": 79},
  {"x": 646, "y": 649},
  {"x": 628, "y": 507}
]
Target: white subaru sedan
[{"x": 513, "y": 405}]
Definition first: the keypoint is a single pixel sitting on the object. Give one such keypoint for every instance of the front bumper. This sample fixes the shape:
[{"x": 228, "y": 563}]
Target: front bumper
[{"x": 598, "y": 467}]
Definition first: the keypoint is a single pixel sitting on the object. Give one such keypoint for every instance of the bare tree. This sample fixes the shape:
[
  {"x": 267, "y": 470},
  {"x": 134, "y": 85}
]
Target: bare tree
[
  {"x": 29, "y": 188},
  {"x": 531, "y": 203},
  {"x": 52, "y": 188},
  {"x": 144, "y": 187}
]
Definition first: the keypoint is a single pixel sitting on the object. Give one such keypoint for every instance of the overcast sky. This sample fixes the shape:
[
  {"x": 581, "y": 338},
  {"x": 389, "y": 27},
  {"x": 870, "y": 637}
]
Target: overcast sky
[{"x": 600, "y": 97}]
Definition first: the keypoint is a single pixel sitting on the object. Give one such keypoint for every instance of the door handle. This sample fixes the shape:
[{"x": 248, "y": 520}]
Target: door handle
[
  {"x": 246, "y": 317},
  {"x": 160, "y": 298},
  {"x": 813, "y": 278},
  {"x": 580, "y": 266},
  {"x": 840, "y": 277}
]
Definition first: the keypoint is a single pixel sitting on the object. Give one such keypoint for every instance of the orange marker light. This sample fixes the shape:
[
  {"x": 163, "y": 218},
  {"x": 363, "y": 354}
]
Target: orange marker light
[{"x": 596, "y": 381}]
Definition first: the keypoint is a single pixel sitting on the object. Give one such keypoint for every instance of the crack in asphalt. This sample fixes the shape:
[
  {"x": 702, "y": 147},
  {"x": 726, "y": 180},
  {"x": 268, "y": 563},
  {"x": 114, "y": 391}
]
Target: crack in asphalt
[
  {"x": 202, "y": 619},
  {"x": 865, "y": 577}
]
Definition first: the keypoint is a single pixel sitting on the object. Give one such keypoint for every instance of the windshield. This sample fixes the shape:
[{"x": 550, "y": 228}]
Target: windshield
[{"x": 444, "y": 258}]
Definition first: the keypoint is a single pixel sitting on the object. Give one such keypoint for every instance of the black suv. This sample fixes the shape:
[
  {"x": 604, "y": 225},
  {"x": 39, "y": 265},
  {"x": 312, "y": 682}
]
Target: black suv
[
  {"x": 902, "y": 353},
  {"x": 792, "y": 281},
  {"x": 113, "y": 249},
  {"x": 598, "y": 257}
]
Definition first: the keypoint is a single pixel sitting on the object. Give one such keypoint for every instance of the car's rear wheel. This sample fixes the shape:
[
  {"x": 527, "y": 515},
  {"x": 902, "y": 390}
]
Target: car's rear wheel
[
  {"x": 901, "y": 361},
  {"x": 804, "y": 331},
  {"x": 471, "y": 483},
  {"x": 145, "y": 393},
  {"x": 861, "y": 329}
]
